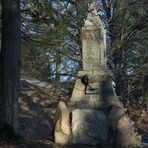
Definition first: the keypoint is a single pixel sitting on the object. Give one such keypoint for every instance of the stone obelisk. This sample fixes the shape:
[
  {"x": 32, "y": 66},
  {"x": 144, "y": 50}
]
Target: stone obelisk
[
  {"x": 87, "y": 102},
  {"x": 94, "y": 61},
  {"x": 93, "y": 41},
  {"x": 94, "y": 105}
]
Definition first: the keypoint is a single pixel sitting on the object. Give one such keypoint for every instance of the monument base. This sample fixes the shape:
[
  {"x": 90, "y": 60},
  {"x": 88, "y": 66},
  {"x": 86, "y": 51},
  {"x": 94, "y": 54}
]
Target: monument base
[
  {"x": 88, "y": 126},
  {"x": 93, "y": 119}
]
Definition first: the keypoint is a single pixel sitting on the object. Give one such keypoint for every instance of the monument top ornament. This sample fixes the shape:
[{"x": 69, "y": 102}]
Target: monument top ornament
[{"x": 93, "y": 13}]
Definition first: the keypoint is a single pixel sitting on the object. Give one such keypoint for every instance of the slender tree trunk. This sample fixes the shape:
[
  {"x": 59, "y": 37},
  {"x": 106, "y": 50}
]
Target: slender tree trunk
[
  {"x": 10, "y": 62},
  {"x": 58, "y": 71},
  {"x": 145, "y": 78},
  {"x": 0, "y": 64},
  {"x": 145, "y": 90},
  {"x": 0, "y": 23}
]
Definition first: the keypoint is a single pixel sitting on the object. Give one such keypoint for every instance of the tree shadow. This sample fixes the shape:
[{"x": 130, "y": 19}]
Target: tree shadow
[{"x": 36, "y": 112}]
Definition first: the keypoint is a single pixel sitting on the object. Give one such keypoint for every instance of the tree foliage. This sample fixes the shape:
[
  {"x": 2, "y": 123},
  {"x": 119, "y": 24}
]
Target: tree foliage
[
  {"x": 128, "y": 28},
  {"x": 53, "y": 29}
]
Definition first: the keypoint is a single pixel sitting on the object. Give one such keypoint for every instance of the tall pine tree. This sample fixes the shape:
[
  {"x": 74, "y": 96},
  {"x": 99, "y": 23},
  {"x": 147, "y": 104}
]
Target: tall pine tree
[{"x": 10, "y": 62}]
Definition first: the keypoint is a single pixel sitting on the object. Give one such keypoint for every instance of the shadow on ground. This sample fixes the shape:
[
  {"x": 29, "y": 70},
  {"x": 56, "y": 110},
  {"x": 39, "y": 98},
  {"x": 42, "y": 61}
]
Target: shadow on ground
[{"x": 36, "y": 112}]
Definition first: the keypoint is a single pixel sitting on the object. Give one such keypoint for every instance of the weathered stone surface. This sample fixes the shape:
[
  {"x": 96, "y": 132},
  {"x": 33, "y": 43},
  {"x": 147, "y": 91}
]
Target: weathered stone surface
[
  {"x": 88, "y": 126},
  {"x": 120, "y": 126},
  {"x": 93, "y": 88},
  {"x": 125, "y": 136},
  {"x": 79, "y": 93},
  {"x": 98, "y": 105},
  {"x": 93, "y": 41},
  {"x": 103, "y": 90},
  {"x": 113, "y": 116},
  {"x": 108, "y": 94},
  {"x": 62, "y": 131},
  {"x": 95, "y": 75},
  {"x": 81, "y": 104}
]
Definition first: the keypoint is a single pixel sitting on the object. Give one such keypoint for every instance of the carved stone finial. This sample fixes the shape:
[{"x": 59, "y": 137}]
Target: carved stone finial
[{"x": 92, "y": 15}]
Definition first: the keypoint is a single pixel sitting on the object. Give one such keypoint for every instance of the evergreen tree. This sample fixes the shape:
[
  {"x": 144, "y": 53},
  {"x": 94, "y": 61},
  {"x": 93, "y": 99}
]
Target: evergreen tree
[{"x": 10, "y": 63}]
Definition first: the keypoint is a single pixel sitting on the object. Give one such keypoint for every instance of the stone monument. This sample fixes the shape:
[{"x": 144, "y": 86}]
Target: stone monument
[{"x": 94, "y": 107}]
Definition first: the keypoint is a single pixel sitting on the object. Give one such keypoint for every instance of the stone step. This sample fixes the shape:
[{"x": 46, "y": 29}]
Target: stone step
[{"x": 98, "y": 105}]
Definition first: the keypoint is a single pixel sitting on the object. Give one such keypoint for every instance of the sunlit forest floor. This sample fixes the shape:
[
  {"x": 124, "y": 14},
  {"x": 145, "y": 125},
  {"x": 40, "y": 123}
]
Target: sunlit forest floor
[{"x": 36, "y": 117}]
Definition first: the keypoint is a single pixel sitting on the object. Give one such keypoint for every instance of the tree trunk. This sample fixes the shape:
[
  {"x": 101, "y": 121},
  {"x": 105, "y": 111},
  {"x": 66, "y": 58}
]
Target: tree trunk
[
  {"x": 58, "y": 71},
  {"x": 10, "y": 62},
  {"x": 145, "y": 90},
  {"x": 0, "y": 23}
]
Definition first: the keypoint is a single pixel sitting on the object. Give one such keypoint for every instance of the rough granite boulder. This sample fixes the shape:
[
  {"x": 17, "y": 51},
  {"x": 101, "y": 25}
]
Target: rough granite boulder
[
  {"x": 121, "y": 130},
  {"x": 125, "y": 135},
  {"x": 62, "y": 131}
]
